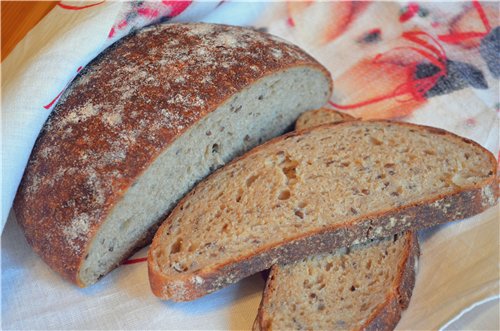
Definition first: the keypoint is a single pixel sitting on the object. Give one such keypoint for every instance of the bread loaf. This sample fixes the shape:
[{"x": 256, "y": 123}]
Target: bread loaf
[
  {"x": 311, "y": 191},
  {"x": 365, "y": 287},
  {"x": 142, "y": 123}
]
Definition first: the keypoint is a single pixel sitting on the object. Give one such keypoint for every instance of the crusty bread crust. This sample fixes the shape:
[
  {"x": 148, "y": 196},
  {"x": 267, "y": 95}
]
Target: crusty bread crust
[
  {"x": 387, "y": 314},
  {"x": 69, "y": 188},
  {"x": 321, "y": 116},
  {"x": 462, "y": 203}
]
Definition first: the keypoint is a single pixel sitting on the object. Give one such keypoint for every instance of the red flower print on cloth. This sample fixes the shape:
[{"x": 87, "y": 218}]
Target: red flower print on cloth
[
  {"x": 137, "y": 14},
  {"x": 400, "y": 80},
  {"x": 50, "y": 104},
  {"x": 177, "y": 7},
  {"x": 134, "y": 261},
  {"x": 68, "y": 6},
  {"x": 392, "y": 86},
  {"x": 411, "y": 10},
  {"x": 331, "y": 18},
  {"x": 470, "y": 26}
]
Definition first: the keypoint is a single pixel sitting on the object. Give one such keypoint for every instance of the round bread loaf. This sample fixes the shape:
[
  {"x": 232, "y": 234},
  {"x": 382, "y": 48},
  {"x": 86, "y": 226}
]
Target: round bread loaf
[{"x": 142, "y": 123}]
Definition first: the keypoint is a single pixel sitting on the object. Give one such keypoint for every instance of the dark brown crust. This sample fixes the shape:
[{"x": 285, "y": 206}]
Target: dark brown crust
[
  {"x": 387, "y": 314},
  {"x": 108, "y": 127},
  {"x": 262, "y": 321},
  {"x": 427, "y": 212}
]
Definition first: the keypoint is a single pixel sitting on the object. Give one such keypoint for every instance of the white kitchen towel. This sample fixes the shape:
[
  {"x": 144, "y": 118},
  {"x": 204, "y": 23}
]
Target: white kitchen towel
[{"x": 377, "y": 52}]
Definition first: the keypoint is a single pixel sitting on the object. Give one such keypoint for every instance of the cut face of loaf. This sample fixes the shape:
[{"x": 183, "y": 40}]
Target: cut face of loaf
[
  {"x": 321, "y": 116},
  {"x": 146, "y": 120},
  {"x": 364, "y": 287},
  {"x": 312, "y": 191}
]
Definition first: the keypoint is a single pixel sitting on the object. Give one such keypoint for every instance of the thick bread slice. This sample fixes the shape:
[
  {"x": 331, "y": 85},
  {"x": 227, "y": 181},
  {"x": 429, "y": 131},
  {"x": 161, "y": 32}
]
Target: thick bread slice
[
  {"x": 321, "y": 116},
  {"x": 365, "y": 287},
  {"x": 146, "y": 120},
  {"x": 312, "y": 191},
  {"x": 360, "y": 288}
]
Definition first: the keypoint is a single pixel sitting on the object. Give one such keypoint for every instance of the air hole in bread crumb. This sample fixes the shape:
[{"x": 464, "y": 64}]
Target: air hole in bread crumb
[
  {"x": 375, "y": 141},
  {"x": 193, "y": 247},
  {"x": 215, "y": 148},
  {"x": 329, "y": 266},
  {"x": 429, "y": 152},
  {"x": 353, "y": 288},
  {"x": 176, "y": 246},
  {"x": 284, "y": 195},
  {"x": 302, "y": 204},
  {"x": 250, "y": 180},
  {"x": 300, "y": 214},
  {"x": 240, "y": 194},
  {"x": 179, "y": 267}
]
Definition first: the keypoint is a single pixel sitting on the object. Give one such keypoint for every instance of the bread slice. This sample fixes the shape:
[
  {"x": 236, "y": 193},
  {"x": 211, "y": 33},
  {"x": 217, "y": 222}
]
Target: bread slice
[
  {"x": 155, "y": 113},
  {"x": 312, "y": 191},
  {"x": 364, "y": 287},
  {"x": 321, "y": 116}
]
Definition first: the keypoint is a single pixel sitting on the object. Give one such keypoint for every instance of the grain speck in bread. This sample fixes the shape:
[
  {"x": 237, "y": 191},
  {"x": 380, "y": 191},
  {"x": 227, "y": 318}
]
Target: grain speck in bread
[
  {"x": 309, "y": 192},
  {"x": 142, "y": 123},
  {"x": 364, "y": 287}
]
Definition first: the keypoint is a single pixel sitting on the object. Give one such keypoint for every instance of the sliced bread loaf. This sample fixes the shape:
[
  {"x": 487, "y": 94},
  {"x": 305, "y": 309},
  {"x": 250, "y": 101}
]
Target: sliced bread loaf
[
  {"x": 142, "y": 123},
  {"x": 312, "y": 191},
  {"x": 364, "y": 287},
  {"x": 321, "y": 116}
]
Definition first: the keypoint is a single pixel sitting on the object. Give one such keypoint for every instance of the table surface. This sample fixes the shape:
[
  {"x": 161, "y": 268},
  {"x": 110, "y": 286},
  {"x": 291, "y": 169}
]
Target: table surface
[{"x": 18, "y": 18}]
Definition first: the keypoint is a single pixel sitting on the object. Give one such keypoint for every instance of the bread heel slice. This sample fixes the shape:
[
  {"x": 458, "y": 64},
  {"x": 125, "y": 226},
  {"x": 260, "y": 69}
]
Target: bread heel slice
[
  {"x": 321, "y": 116},
  {"x": 312, "y": 191},
  {"x": 364, "y": 287}
]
